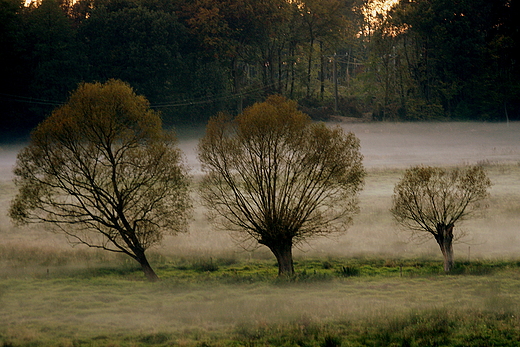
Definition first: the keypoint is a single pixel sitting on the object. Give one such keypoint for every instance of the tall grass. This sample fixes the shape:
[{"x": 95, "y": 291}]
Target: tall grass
[{"x": 367, "y": 287}]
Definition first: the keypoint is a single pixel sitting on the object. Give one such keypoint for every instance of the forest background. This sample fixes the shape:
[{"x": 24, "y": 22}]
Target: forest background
[{"x": 421, "y": 60}]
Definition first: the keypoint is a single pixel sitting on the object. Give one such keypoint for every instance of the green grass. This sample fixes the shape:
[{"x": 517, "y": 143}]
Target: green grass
[
  {"x": 383, "y": 302},
  {"x": 229, "y": 271},
  {"x": 428, "y": 328}
]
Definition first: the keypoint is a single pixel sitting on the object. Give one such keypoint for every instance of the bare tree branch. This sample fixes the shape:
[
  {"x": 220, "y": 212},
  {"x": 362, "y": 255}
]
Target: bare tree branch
[
  {"x": 433, "y": 200},
  {"x": 279, "y": 178},
  {"x": 102, "y": 170}
]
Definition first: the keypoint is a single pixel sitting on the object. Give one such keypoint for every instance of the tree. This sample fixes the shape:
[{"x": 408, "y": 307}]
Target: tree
[
  {"x": 138, "y": 45},
  {"x": 278, "y": 178},
  {"x": 432, "y": 200},
  {"x": 51, "y": 49},
  {"x": 40, "y": 61},
  {"x": 102, "y": 170},
  {"x": 11, "y": 70},
  {"x": 323, "y": 20},
  {"x": 232, "y": 32},
  {"x": 459, "y": 57}
]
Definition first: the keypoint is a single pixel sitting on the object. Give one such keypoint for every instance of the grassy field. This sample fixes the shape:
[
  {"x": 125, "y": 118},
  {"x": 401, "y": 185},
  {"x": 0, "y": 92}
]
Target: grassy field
[
  {"x": 368, "y": 287},
  {"x": 349, "y": 302}
]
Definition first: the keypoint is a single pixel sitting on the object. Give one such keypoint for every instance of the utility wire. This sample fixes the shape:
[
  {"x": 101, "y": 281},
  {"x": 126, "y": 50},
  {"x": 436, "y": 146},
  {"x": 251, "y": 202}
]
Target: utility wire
[
  {"x": 202, "y": 100},
  {"x": 190, "y": 102},
  {"x": 30, "y": 100}
]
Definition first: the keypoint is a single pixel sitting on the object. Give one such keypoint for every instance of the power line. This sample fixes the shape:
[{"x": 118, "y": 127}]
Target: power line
[
  {"x": 30, "y": 100},
  {"x": 202, "y": 100},
  {"x": 190, "y": 102}
]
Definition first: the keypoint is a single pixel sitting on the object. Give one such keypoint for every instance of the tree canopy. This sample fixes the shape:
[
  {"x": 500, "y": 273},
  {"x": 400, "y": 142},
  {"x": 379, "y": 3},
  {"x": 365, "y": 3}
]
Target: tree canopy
[
  {"x": 422, "y": 60},
  {"x": 103, "y": 171},
  {"x": 449, "y": 60},
  {"x": 278, "y": 178}
]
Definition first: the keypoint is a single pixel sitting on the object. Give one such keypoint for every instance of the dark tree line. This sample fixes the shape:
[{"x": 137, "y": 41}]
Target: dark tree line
[
  {"x": 425, "y": 59},
  {"x": 443, "y": 58}
]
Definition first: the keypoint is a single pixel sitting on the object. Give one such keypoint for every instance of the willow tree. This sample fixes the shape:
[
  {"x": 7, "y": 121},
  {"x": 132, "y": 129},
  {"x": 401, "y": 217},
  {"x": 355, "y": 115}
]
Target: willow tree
[
  {"x": 102, "y": 170},
  {"x": 432, "y": 199},
  {"x": 278, "y": 178}
]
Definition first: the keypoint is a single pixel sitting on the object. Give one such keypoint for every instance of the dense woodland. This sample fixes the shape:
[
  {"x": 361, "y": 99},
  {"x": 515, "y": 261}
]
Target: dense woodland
[{"x": 422, "y": 60}]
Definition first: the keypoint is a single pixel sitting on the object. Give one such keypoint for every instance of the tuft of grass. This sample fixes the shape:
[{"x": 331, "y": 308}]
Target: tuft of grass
[
  {"x": 331, "y": 341},
  {"x": 437, "y": 327},
  {"x": 348, "y": 271},
  {"x": 206, "y": 266},
  {"x": 155, "y": 339},
  {"x": 327, "y": 265}
]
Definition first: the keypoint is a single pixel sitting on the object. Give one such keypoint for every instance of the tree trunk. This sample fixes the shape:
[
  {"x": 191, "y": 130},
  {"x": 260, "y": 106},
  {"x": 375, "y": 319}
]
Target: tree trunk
[
  {"x": 236, "y": 75},
  {"x": 322, "y": 72},
  {"x": 147, "y": 269},
  {"x": 309, "y": 66},
  {"x": 291, "y": 71},
  {"x": 444, "y": 238},
  {"x": 283, "y": 254}
]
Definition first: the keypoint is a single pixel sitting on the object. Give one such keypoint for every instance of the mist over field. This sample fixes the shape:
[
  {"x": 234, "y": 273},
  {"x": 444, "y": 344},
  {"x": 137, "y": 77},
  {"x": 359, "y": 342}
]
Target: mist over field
[
  {"x": 399, "y": 145},
  {"x": 387, "y": 148},
  {"x": 383, "y": 144}
]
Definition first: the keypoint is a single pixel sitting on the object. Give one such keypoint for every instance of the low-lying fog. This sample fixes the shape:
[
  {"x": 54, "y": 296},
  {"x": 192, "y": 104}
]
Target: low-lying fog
[
  {"x": 384, "y": 146},
  {"x": 404, "y": 144}
]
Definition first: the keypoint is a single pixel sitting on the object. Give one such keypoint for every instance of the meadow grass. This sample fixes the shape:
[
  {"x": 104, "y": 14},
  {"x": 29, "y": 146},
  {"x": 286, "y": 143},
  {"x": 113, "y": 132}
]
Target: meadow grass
[
  {"x": 387, "y": 302},
  {"x": 368, "y": 287}
]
